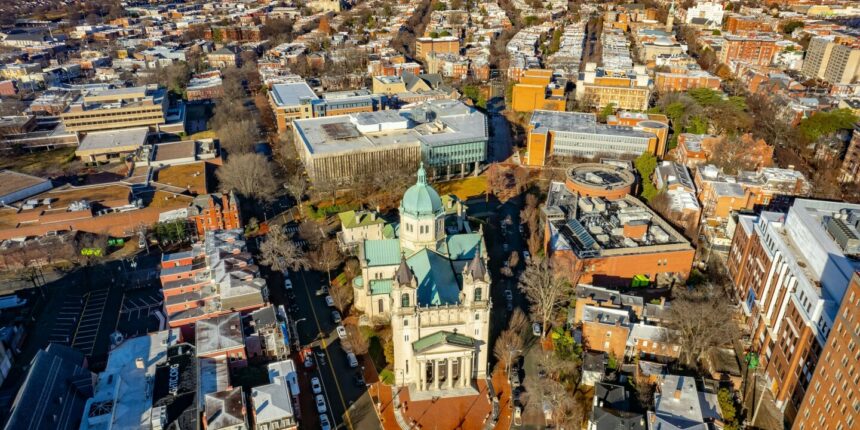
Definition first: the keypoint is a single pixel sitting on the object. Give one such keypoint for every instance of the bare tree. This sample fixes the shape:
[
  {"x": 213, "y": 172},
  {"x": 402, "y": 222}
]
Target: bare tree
[
  {"x": 732, "y": 154},
  {"x": 297, "y": 186},
  {"x": 342, "y": 297},
  {"x": 239, "y": 137},
  {"x": 699, "y": 320},
  {"x": 544, "y": 289},
  {"x": 280, "y": 253},
  {"x": 508, "y": 347},
  {"x": 357, "y": 341},
  {"x": 249, "y": 175},
  {"x": 519, "y": 323},
  {"x": 312, "y": 232},
  {"x": 327, "y": 257}
]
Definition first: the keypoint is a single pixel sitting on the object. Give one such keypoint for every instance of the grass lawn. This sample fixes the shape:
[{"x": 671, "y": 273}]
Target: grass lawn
[
  {"x": 464, "y": 188},
  {"x": 208, "y": 134},
  {"x": 41, "y": 162}
]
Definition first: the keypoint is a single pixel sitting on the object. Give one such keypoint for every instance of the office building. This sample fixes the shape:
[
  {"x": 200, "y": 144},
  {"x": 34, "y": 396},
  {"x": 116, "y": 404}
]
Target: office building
[
  {"x": 96, "y": 110},
  {"x": 612, "y": 241},
  {"x": 123, "y": 395},
  {"x": 538, "y": 89},
  {"x": 575, "y": 134},
  {"x": 448, "y": 136},
  {"x": 627, "y": 89},
  {"x": 790, "y": 273}
]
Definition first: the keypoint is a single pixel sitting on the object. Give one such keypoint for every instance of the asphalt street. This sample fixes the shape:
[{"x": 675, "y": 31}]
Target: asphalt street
[{"x": 312, "y": 321}]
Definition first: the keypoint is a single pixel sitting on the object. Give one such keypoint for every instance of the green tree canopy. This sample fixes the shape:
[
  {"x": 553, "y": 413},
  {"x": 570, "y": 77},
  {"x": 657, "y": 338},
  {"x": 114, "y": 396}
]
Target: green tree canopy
[
  {"x": 645, "y": 165},
  {"x": 824, "y": 123}
]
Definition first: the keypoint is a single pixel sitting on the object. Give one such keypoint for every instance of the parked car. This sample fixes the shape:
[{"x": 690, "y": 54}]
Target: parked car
[
  {"x": 288, "y": 284},
  {"x": 352, "y": 359},
  {"x": 341, "y": 332},
  {"x": 321, "y": 291},
  {"x": 536, "y": 329},
  {"x": 335, "y": 317},
  {"x": 358, "y": 379},
  {"x": 527, "y": 256},
  {"x": 321, "y": 408},
  {"x": 329, "y": 301},
  {"x": 315, "y": 385},
  {"x": 518, "y": 416},
  {"x": 324, "y": 423}
]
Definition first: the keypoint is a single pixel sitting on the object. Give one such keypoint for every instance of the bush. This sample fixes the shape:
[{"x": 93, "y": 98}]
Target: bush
[{"x": 387, "y": 377}]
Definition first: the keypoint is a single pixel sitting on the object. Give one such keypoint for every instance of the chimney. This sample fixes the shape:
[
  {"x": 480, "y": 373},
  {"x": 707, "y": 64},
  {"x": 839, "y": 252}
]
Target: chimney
[{"x": 678, "y": 394}]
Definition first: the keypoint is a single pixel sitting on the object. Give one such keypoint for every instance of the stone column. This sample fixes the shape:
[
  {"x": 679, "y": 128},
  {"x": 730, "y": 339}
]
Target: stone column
[
  {"x": 436, "y": 384},
  {"x": 422, "y": 374},
  {"x": 468, "y": 368},
  {"x": 450, "y": 376},
  {"x": 463, "y": 377}
]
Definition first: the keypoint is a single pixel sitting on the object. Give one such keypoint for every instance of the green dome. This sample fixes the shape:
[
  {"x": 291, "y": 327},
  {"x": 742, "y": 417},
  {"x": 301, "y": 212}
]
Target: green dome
[{"x": 421, "y": 199}]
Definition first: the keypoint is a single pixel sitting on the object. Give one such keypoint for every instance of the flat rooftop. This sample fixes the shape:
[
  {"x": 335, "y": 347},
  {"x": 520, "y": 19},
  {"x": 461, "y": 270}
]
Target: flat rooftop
[
  {"x": 578, "y": 122},
  {"x": 292, "y": 94},
  {"x": 120, "y": 139},
  {"x": 124, "y": 386},
  {"x": 594, "y": 226},
  {"x": 432, "y": 123},
  {"x": 12, "y": 181}
]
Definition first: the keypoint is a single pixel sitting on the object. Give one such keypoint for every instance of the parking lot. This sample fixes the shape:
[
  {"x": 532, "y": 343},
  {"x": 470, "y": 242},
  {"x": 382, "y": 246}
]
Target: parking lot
[
  {"x": 67, "y": 319},
  {"x": 90, "y": 321},
  {"x": 140, "y": 311}
]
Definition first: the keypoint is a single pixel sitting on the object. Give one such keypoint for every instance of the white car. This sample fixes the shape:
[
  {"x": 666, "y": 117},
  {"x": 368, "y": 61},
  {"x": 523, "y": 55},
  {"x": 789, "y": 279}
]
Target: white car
[
  {"x": 536, "y": 329},
  {"x": 324, "y": 423},
  {"x": 341, "y": 332},
  {"x": 321, "y": 408},
  {"x": 315, "y": 385},
  {"x": 329, "y": 301},
  {"x": 288, "y": 284}
]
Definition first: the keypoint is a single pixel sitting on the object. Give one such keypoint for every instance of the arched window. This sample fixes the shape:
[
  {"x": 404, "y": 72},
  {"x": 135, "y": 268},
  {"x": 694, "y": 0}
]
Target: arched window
[
  {"x": 478, "y": 294},
  {"x": 404, "y": 300}
]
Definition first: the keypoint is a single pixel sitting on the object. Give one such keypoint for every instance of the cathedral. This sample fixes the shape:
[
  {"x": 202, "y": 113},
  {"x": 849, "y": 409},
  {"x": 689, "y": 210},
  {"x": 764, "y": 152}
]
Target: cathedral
[{"x": 430, "y": 280}]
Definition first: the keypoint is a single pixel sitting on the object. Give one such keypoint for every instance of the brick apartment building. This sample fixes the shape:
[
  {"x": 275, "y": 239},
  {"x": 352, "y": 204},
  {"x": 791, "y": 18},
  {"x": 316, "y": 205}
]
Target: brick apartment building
[
  {"x": 757, "y": 49},
  {"x": 233, "y": 33},
  {"x": 850, "y": 170},
  {"x": 221, "y": 337},
  {"x": 721, "y": 194},
  {"x": 216, "y": 277},
  {"x": 424, "y": 46},
  {"x": 790, "y": 273},
  {"x": 833, "y": 399},
  {"x": 216, "y": 211},
  {"x": 739, "y": 24},
  {"x": 683, "y": 80}
]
